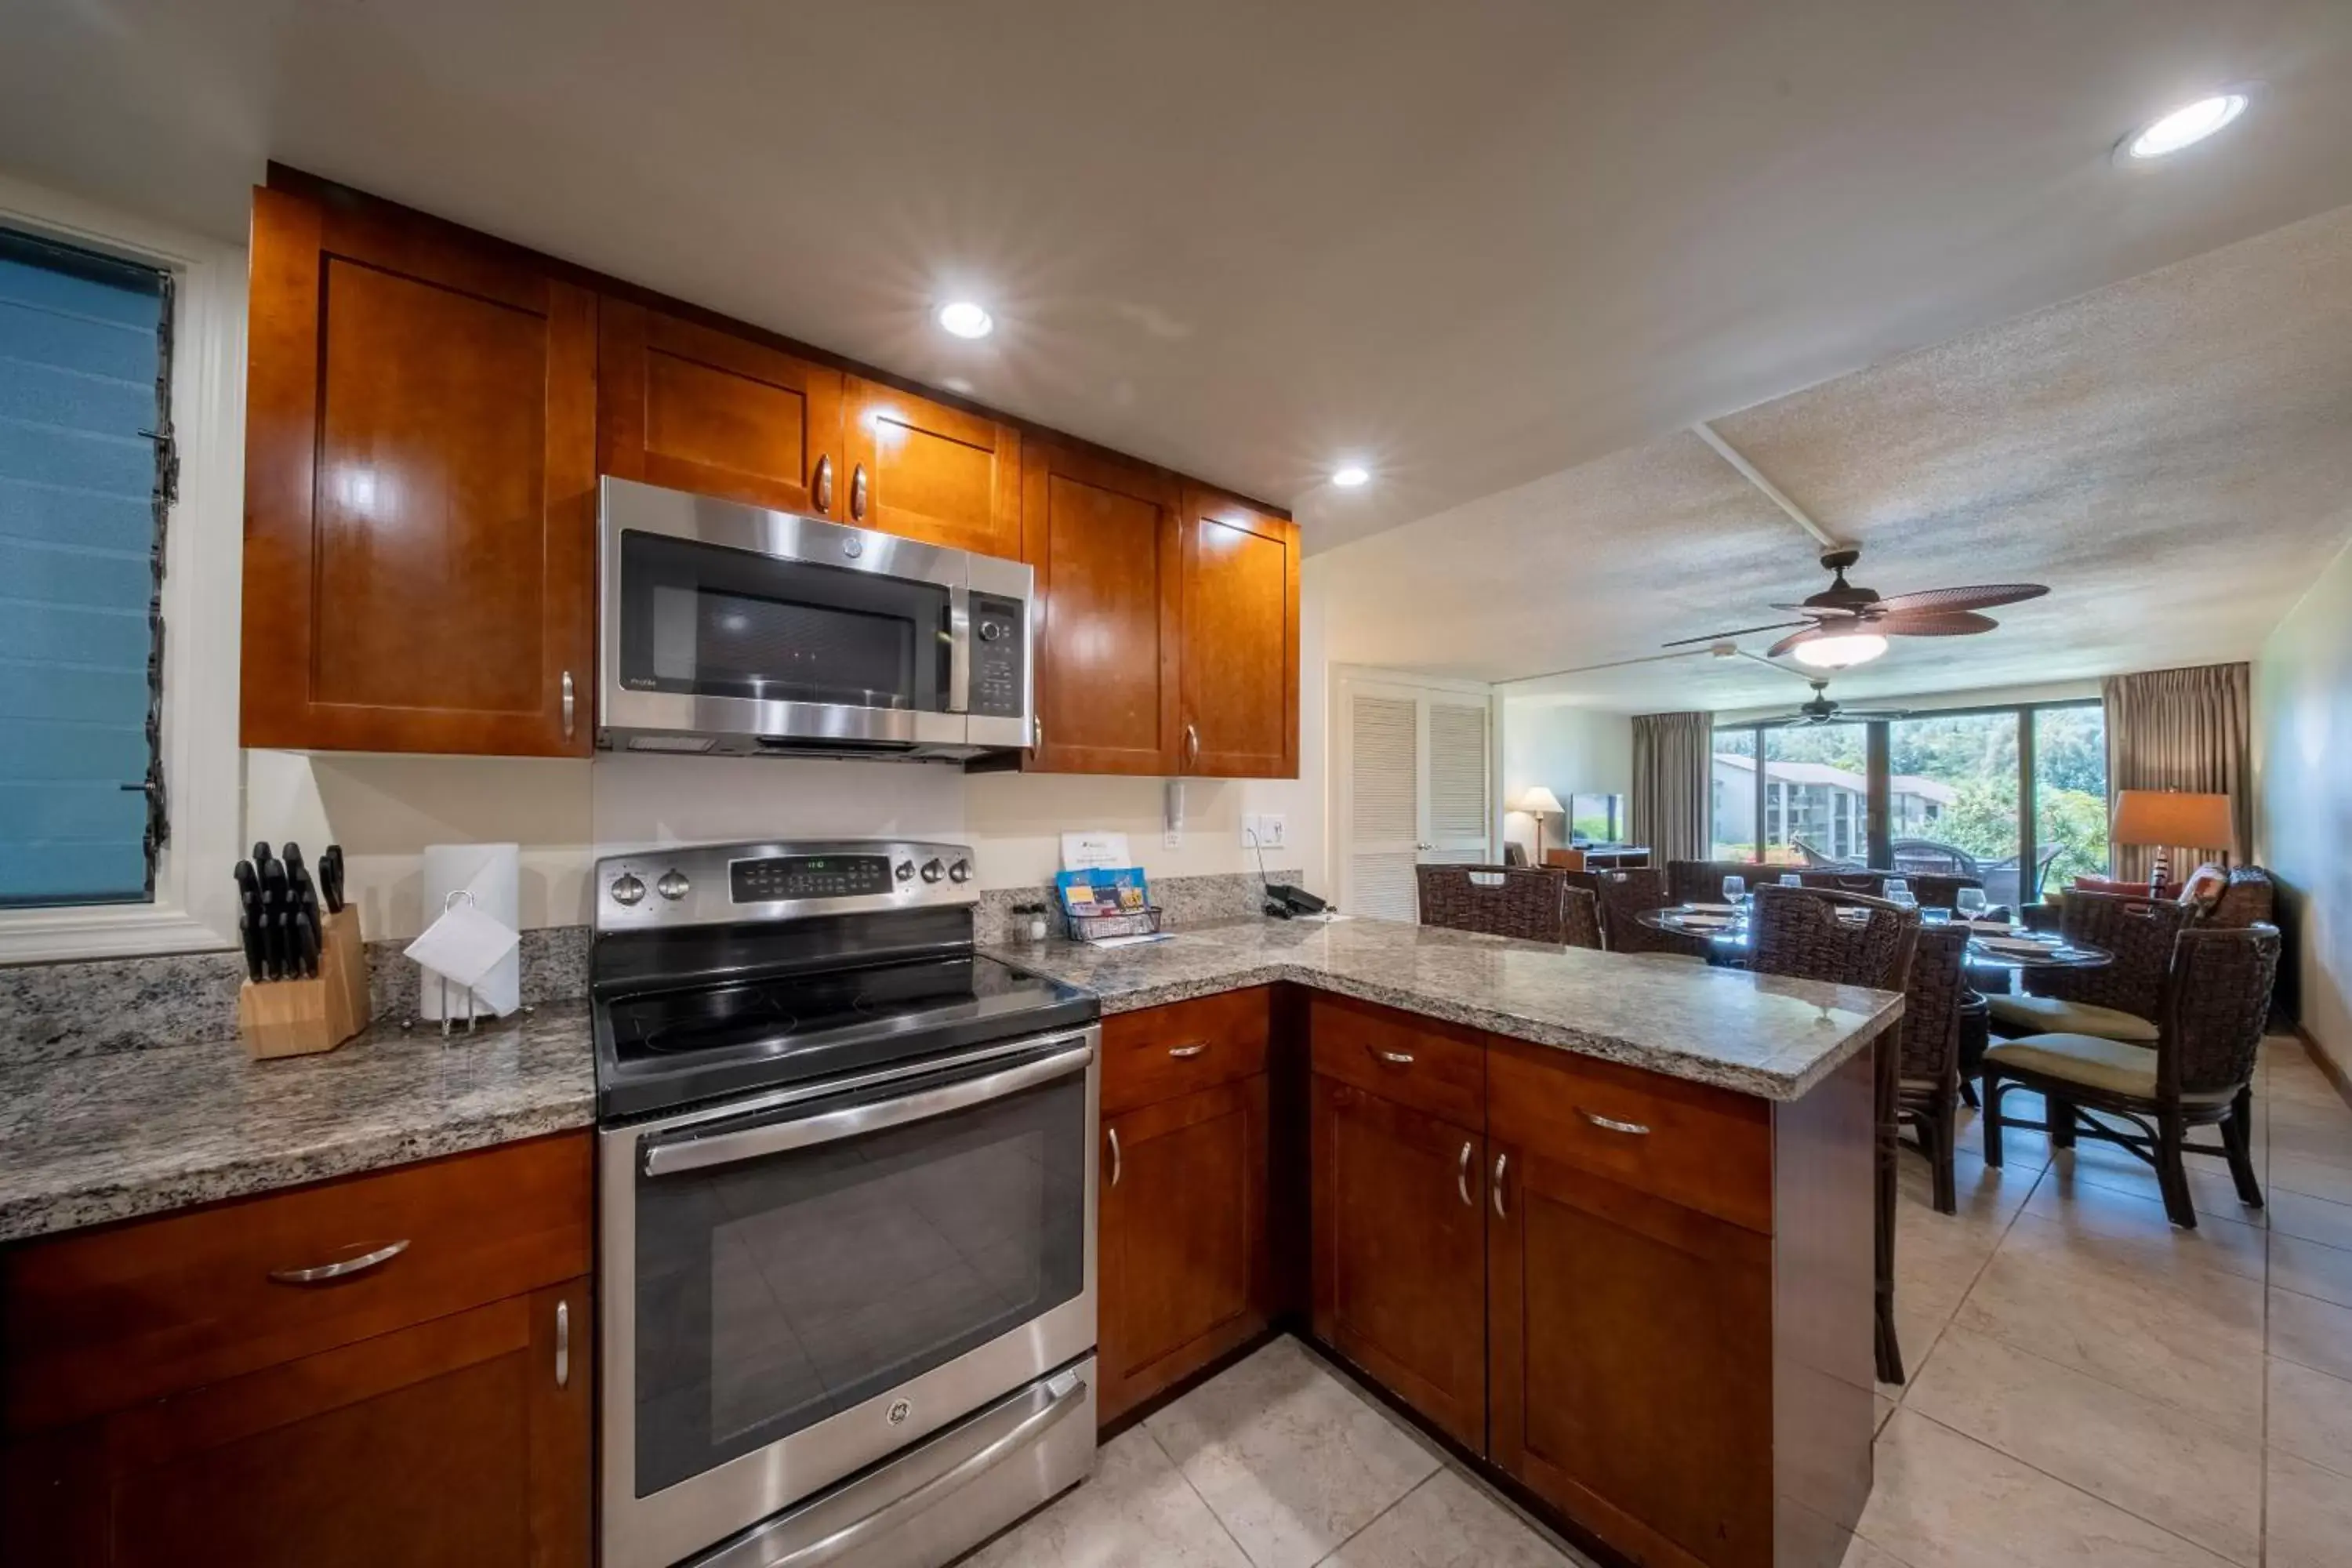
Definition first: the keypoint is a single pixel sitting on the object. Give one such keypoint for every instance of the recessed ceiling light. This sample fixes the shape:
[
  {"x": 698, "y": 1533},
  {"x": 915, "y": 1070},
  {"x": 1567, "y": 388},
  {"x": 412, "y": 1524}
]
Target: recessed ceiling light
[
  {"x": 1352, "y": 476},
  {"x": 966, "y": 320},
  {"x": 1841, "y": 652},
  {"x": 2184, "y": 126}
]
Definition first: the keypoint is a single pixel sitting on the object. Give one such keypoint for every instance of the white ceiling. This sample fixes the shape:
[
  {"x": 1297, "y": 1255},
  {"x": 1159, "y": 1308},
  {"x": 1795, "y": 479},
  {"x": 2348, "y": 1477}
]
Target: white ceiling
[
  {"x": 2172, "y": 455},
  {"x": 1473, "y": 243}
]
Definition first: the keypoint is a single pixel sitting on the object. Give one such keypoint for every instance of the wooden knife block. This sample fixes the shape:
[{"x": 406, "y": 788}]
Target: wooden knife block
[{"x": 302, "y": 1017}]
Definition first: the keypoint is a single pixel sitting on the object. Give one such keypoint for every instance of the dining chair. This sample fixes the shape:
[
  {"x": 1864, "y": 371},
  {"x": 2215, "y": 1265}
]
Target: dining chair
[
  {"x": 1849, "y": 939},
  {"x": 2215, "y": 999},
  {"x": 1626, "y": 897},
  {"x": 1497, "y": 901},
  {"x": 1928, "y": 1096},
  {"x": 2117, "y": 1000},
  {"x": 1581, "y": 917}
]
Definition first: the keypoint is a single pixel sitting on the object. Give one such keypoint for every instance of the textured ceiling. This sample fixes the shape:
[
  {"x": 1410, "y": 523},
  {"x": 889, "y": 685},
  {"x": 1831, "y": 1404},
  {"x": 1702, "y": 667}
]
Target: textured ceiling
[
  {"x": 2172, "y": 455},
  {"x": 1473, "y": 243}
]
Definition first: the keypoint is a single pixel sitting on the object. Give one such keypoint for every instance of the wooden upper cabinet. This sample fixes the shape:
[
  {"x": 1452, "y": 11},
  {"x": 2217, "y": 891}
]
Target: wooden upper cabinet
[
  {"x": 420, "y": 475},
  {"x": 1240, "y": 614},
  {"x": 923, "y": 470},
  {"x": 694, "y": 408},
  {"x": 1104, "y": 538}
]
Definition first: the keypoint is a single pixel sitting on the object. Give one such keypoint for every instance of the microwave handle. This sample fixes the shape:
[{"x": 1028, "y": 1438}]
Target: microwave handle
[
  {"x": 959, "y": 649},
  {"x": 757, "y": 1143}
]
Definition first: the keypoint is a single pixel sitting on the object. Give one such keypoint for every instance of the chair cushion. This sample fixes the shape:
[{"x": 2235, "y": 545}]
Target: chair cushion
[
  {"x": 2056, "y": 1015},
  {"x": 2117, "y": 1066}
]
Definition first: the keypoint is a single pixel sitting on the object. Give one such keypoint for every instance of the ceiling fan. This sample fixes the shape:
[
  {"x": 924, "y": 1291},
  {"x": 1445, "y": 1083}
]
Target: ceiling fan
[
  {"x": 1838, "y": 618},
  {"x": 1824, "y": 708}
]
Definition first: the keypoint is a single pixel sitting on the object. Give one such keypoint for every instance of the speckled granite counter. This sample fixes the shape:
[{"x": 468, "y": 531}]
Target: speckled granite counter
[
  {"x": 109, "y": 1135},
  {"x": 1770, "y": 1037}
]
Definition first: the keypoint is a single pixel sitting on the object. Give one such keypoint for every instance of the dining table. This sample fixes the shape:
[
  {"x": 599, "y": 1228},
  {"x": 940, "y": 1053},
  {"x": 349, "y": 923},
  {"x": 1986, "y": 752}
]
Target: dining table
[{"x": 1996, "y": 947}]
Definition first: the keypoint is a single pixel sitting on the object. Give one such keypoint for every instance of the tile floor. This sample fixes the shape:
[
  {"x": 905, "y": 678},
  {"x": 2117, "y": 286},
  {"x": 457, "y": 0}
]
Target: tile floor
[{"x": 2088, "y": 1387}]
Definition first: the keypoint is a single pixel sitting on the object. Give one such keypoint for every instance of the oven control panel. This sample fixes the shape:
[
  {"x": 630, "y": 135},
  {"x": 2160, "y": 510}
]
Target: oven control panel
[
  {"x": 768, "y": 879},
  {"x": 999, "y": 656}
]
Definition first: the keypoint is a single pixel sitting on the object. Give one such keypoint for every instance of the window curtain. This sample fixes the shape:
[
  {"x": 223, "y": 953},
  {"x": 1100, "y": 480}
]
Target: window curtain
[
  {"x": 2185, "y": 730},
  {"x": 1673, "y": 760}
]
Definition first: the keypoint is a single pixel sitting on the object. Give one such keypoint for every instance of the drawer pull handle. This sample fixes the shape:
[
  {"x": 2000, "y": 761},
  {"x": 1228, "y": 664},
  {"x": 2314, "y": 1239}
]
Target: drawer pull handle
[
  {"x": 1394, "y": 1059},
  {"x": 1117, "y": 1164},
  {"x": 319, "y": 1274},
  {"x": 1462, "y": 1178},
  {"x": 1502, "y": 1164},
  {"x": 1187, "y": 1052},
  {"x": 563, "y": 1344},
  {"x": 1612, "y": 1124}
]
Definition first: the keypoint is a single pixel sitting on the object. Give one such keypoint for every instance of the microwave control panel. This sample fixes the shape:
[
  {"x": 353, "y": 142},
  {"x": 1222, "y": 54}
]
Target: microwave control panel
[{"x": 999, "y": 656}]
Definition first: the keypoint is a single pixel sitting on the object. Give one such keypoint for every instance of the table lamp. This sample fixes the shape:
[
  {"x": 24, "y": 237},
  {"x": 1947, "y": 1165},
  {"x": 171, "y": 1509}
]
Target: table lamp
[
  {"x": 1536, "y": 803},
  {"x": 2165, "y": 817}
]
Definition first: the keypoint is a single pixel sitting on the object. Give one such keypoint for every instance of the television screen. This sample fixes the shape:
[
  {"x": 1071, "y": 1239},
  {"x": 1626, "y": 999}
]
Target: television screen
[{"x": 1595, "y": 818}]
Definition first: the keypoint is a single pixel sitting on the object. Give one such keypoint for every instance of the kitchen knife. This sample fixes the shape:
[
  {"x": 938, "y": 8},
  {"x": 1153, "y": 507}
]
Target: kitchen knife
[
  {"x": 276, "y": 906},
  {"x": 304, "y": 894},
  {"x": 248, "y": 923},
  {"x": 330, "y": 878},
  {"x": 305, "y": 955}
]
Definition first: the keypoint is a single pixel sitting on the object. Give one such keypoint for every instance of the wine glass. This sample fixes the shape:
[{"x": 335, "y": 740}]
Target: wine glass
[
  {"x": 1899, "y": 892},
  {"x": 1972, "y": 902},
  {"x": 1790, "y": 880},
  {"x": 1735, "y": 888}
]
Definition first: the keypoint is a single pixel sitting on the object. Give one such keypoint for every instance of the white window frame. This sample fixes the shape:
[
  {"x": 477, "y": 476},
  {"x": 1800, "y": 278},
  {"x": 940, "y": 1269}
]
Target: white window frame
[{"x": 194, "y": 905}]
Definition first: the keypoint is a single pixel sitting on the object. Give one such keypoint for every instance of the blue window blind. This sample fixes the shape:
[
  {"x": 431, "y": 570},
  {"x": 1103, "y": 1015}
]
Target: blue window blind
[{"x": 85, "y": 476}]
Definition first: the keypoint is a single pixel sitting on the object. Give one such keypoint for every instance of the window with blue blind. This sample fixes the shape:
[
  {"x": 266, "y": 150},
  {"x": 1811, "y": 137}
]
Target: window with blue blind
[{"x": 85, "y": 478}]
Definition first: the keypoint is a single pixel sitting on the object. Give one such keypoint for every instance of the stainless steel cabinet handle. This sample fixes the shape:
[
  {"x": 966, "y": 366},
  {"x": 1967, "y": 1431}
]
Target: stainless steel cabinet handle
[
  {"x": 570, "y": 704},
  {"x": 1188, "y": 1052},
  {"x": 1502, "y": 1164},
  {"x": 563, "y": 1344},
  {"x": 320, "y": 1273},
  {"x": 1462, "y": 1178},
  {"x": 1117, "y": 1164},
  {"x": 1394, "y": 1059},
  {"x": 1612, "y": 1124},
  {"x": 824, "y": 485},
  {"x": 858, "y": 493}
]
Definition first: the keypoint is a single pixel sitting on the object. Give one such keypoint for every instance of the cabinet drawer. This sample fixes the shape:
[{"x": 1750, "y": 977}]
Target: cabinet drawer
[
  {"x": 1161, "y": 1052},
  {"x": 101, "y": 1321},
  {"x": 1413, "y": 1061},
  {"x": 1703, "y": 1148}
]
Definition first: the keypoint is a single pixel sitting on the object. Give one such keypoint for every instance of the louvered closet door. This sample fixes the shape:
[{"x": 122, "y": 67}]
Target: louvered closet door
[
  {"x": 1460, "y": 802},
  {"x": 1384, "y": 806}
]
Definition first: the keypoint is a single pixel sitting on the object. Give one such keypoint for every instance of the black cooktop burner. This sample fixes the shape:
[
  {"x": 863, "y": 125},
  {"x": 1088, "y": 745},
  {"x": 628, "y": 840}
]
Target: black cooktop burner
[{"x": 664, "y": 1047}]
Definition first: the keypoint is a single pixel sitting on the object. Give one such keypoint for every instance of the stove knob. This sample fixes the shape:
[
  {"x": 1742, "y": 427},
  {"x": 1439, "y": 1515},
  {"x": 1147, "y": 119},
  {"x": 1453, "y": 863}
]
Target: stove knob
[
  {"x": 673, "y": 885},
  {"x": 906, "y": 870},
  {"x": 627, "y": 889},
  {"x": 930, "y": 870},
  {"x": 959, "y": 872}
]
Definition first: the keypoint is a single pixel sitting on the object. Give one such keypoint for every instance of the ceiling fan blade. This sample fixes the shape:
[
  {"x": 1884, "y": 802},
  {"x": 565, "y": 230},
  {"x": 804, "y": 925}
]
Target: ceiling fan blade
[
  {"x": 1742, "y": 631},
  {"x": 1791, "y": 640},
  {"x": 1935, "y": 624},
  {"x": 1821, "y": 612},
  {"x": 1984, "y": 597}
]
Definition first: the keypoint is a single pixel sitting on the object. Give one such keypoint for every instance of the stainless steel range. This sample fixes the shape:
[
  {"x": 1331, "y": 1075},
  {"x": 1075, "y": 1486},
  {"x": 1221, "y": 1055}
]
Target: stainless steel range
[{"x": 846, "y": 1178}]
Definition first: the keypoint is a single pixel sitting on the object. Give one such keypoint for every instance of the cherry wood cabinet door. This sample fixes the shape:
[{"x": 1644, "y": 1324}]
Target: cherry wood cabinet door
[
  {"x": 420, "y": 475},
  {"x": 1631, "y": 1342},
  {"x": 694, "y": 408},
  {"x": 1103, "y": 537},
  {"x": 1182, "y": 1270},
  {"x": 923, "y": 470},
  {"x": 454, "y": 1444},
  {"x": 1241, "y": 639},
  {"x": 1400, "y": 1229}
]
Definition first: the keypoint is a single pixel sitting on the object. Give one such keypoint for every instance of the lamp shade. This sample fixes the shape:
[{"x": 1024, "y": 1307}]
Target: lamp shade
[
  {"x": 2166, "y": 816},
  {"x": 1539, "y": 801}
]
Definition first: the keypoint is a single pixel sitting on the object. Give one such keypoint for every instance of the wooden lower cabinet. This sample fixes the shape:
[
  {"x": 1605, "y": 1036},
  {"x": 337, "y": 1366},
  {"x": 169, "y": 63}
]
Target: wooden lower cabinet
[
  {"x": 1182, "y": 1275},
  {"x": 1399, "y": 1266}
]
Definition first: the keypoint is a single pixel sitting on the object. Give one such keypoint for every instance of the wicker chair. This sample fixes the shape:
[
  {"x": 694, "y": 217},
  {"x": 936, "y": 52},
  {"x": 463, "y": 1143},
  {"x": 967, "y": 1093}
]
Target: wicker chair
[
  {"x": 2216, "y": 997},
  {"x": 1869, "y": 884},
  {"x": 1581, "y": 917},
  {"x": 1928, "y": 1097},
  {"x": 1701, "y": 881},
  {"x": 1499, "y": 900},
  {"x": 1940, "y": 893},
  {"x": 1805, "y": 932},
  {"x": 1626, "y": 897},
  {"x": 2116, "y": 1001}
]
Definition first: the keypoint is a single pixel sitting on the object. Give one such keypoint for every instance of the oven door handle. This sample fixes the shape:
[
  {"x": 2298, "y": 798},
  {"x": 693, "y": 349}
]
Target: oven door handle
[
  {"x": 756, "y": 1143},
  {"x": 959, "y": 648}
]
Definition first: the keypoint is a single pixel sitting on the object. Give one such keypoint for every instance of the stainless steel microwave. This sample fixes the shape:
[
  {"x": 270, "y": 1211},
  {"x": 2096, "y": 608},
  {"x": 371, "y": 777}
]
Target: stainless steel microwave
[{"x": 734, "y": 631}]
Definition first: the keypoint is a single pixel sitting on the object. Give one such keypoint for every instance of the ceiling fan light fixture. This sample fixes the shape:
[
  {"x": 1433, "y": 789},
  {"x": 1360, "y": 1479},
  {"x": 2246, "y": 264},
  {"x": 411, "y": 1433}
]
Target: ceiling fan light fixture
[{"x": 1838, "y": 652}]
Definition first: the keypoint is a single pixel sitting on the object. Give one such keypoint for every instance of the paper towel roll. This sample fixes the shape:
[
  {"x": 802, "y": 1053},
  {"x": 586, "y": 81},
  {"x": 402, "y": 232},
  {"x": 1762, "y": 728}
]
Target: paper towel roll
[{"x": 492, "y": 874}]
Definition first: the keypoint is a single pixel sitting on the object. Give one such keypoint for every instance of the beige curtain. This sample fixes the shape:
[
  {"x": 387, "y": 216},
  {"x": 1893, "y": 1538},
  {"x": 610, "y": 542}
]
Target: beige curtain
[
  {"x": 1673, "y": 761},
  {"x": 2179, "y": 728}
]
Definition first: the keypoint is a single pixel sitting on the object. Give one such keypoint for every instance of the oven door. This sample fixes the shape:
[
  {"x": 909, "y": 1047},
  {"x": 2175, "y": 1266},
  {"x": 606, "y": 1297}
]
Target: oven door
[
  {"x": 798, "y": 1288},
  {"x": 721, "y": 619}
]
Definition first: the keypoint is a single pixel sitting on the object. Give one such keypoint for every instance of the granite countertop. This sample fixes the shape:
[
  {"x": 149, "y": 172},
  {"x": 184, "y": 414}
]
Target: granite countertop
[
  {"x": 1756, "y": 1033},
  {"x": 109, "y": 1135}
]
